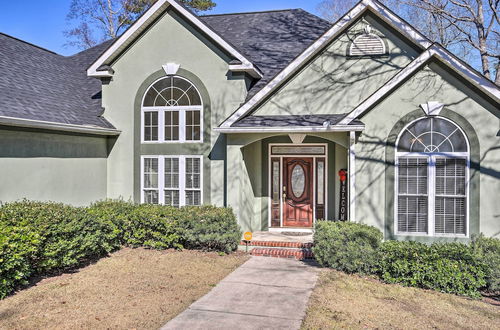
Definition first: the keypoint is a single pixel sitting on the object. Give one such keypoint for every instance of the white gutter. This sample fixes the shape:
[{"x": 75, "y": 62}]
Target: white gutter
[
  {"x": 291, "y": 129},
  {"x": 29, "y": 123}
]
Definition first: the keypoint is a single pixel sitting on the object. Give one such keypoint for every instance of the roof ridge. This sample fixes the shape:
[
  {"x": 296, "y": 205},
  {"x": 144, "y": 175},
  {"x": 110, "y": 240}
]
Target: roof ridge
[
  {"x": 253, "y": 12},
  {"x": 29, "y": 43}
]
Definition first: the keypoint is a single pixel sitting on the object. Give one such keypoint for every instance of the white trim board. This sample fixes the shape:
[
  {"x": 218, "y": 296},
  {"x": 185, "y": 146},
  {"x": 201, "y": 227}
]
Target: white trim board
[
  {"x": 291, "y": 129},
  {"x": 446, "y": 58},
  {"x": 49, "y": 125},
  {"x": 152, "y": 13},
  {"x": 339, "y": 27}
]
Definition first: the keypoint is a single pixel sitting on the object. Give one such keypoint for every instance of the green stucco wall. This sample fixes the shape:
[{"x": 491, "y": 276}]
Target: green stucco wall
[
  {"x": 375, "y": 152},
  {"x": 169, "y": 40},
  {"x": 332, "y": 83},
  {"x": 50, "y": 166}
]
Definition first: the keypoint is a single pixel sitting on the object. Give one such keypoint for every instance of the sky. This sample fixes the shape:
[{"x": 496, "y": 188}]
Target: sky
[{"x": 43, "y": 22}]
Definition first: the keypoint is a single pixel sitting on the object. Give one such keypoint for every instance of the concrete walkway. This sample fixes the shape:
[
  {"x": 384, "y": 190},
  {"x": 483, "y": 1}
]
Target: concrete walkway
[{"x": 263, "y": 293}]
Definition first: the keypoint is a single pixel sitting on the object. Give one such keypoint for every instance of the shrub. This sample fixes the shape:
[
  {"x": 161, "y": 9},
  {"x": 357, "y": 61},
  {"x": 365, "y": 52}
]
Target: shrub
[
  {"x": 37, "y": 237},
  {"x": 42, "y": 237},
  {"x": 488, "y": 249},
  {"x": 347, "y": 246},
  {"x": 446, "y": 267},
  {"x": 209, "y": 228}
]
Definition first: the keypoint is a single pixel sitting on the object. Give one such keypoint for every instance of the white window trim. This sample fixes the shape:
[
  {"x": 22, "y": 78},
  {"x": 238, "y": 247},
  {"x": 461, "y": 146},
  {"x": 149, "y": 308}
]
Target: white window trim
[
  {"x": 431, "y": 192},
  {"x": 182, "y": 177},
  {"x": 182, "y": 118}
]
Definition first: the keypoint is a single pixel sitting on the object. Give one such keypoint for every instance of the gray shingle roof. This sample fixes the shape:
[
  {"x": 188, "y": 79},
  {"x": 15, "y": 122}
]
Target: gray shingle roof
[
  {"x": 41, "y": 85},
  {"x": 292, "y": 121},
  {"x": 271, "y": 40},
  {"x": 38, "y": 84}
]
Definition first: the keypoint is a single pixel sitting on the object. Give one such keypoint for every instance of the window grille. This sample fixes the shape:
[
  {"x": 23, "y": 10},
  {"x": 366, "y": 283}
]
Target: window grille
[
  {"x": 172, "y": 111},
  {"x": 432, "y": 178}
]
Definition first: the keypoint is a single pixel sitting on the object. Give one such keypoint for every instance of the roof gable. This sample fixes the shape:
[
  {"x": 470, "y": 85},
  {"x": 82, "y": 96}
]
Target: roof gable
[
  {"x": 243, "y": 64},
  {"x": 335, "y": 81},
  {"x": 339, "y": 27}
]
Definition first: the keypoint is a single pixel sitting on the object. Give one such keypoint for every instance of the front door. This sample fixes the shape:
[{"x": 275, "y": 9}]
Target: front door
[{"x": 298, "y": 192}]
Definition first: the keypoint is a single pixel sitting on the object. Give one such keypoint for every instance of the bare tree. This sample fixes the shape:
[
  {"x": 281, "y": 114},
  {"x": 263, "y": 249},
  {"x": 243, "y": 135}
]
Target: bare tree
[
  {"x": 99, "y": 20},
  {"x": 465, "y": 27}
]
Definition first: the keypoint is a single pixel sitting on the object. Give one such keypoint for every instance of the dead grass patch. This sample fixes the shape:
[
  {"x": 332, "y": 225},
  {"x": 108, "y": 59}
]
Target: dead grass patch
[
  {"x": 349, "y": 301},
  {"x": 131, "y": 289}
]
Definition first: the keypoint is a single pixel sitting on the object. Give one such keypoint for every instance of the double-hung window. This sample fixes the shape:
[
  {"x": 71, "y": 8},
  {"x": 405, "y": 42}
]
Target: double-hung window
[
  {"x": 432, "y": 167},
  {"x": 172, "y": 111},
  {"x": 172, "y": 180}
]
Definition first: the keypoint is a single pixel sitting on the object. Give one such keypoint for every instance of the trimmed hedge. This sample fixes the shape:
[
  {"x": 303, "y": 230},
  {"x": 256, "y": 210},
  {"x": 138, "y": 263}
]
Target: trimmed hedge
[
  {"x": 447, "y": 267},
  {"x": 347, "y": 246},
  {"x": 488, "y": 249},
  {"x": 37, "y": 238}
]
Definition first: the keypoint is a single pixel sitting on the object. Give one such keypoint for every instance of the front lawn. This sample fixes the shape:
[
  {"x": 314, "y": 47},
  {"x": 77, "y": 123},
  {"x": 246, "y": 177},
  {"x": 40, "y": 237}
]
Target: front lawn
[
  {"x": 131, "y": 289},
  {"x": 350, "y": 301}
]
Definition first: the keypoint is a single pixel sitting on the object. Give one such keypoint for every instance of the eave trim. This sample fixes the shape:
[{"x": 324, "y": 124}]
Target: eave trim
[
  {"x": 48, "y": 125},
  {"x": 293, "y": 129},
  {"x": 484, "y": 84}
]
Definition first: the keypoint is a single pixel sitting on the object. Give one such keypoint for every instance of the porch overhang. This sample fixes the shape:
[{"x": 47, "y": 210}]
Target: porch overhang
[
  {"x": 292, "y": 124},
  {"x": 291, "y": 129}
]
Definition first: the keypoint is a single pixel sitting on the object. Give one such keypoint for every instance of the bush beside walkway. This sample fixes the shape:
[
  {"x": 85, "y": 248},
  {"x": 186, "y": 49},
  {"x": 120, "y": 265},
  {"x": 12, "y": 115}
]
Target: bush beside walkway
[
  {"x": 446, "y": 267},
  {"x": 39, "y": 238}
]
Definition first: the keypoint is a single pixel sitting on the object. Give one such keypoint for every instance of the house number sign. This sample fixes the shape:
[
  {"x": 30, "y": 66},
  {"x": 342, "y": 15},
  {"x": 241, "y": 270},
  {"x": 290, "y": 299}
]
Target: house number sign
[{"x": 343, "y": 195}]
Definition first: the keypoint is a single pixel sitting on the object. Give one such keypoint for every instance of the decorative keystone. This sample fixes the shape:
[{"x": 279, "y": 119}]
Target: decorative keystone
[
  {"x": 432, "y": 108},
  {"x": 171, "y": 68}
]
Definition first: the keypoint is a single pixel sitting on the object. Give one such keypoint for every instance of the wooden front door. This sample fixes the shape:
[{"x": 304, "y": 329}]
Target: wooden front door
[{"x": 298, "y": 192}]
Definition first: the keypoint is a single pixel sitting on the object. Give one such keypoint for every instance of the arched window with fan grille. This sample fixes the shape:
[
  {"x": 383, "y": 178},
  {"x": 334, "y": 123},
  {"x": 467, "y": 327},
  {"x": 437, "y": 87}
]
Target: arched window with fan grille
[
  {"x": 172, "y": 111},
  {"x": 432, "y": 177}
]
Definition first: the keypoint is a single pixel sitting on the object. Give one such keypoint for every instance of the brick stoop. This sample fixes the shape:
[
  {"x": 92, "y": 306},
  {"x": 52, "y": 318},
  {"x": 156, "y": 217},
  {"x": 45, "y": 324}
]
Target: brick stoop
[
  {"x": 296, "y": 245},
  {"x": 299, "y": 254}
]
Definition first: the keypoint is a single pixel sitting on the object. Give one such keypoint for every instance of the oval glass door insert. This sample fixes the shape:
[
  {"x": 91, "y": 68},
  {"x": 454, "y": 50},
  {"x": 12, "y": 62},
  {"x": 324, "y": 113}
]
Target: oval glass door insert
[{"x": 298, "y": 181}]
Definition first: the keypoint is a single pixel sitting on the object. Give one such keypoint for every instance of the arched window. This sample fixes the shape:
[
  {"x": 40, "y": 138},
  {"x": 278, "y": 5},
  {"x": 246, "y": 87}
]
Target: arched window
[
  {"x": 172, "y": 111},
  {"x": 432, "y": 174},
  {"x": 367, "y": 44}
]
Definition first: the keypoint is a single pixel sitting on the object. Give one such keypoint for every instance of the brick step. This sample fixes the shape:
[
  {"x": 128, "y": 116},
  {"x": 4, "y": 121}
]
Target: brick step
[
  {"x": 299, "y": 254},
  {"x": 297, "y": 245}
]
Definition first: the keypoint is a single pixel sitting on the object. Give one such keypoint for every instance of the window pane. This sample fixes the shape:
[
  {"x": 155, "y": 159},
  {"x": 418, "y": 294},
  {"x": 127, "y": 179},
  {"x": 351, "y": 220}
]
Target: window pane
[
  {"x": 193, "y": 126},
  {"x": 321, "y": 182},
  {"x": 412, "y": 214},
  {"x": 171, "y": 125},
  {"x": 193, "y": 173},
  {"x": 276, "y": 181},
  {"x": 171, "y": 173},
  {"x": 172, "y": 197},
  {"x": 150, "y": 173},
  {"x": 432, "y": 135},
  {"x": 151, "y": 196},
  {"x": 413, "y": 195},
  {"x": 450, "y": 213},
  {"x": 193, "y": 197},
  {"x": 150, "y": 126},
  {"x": 412, "y": 176}
]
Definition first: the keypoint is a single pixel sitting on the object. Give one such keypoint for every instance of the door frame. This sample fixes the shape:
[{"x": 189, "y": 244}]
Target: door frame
[{"x": 269, "y": 183}]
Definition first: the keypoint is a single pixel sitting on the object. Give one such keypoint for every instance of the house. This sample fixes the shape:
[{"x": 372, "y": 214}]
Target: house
[{"x": 280, "y": 115}]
